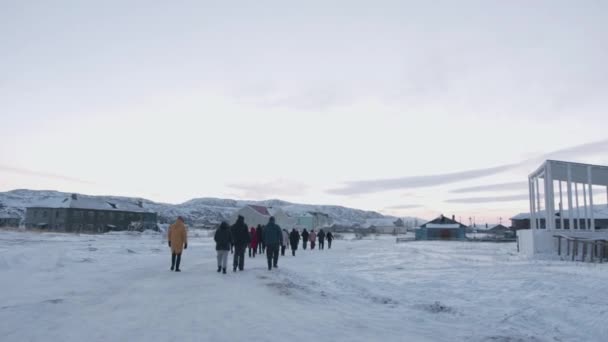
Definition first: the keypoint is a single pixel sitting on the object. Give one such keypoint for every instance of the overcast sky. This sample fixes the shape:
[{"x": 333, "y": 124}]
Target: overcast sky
[{"x": 405, "y": 107}]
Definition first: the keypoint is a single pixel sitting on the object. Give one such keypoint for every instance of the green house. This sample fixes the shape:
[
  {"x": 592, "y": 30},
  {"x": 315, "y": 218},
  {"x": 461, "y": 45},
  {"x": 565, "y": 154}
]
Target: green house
[{"x": 441, "y": 228}]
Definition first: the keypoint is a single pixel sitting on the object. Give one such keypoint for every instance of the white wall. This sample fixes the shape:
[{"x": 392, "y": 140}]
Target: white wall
[{"x": 541, "y": 242}]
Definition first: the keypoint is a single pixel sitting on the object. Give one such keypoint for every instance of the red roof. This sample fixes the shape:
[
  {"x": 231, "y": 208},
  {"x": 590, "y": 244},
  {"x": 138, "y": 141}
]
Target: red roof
[{"x": 260, "y": 209}]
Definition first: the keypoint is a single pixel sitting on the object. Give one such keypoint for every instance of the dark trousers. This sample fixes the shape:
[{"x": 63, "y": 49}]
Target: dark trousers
[
  {"x": 239, "y": 257},
  {"x": 293, "y": 249},
  {"x": 304, "y": 244},
  {"x": 329, "y": 244},
  {"x": 312, "y": 245},
  {"x": 283, "y": 250},
  {"x": 175, "y": 260},
  {"x": 252, "y": 251},
  {"x": 321, "y": 244},
  {"x": 261, "y": 248},
  {"x": 272, "y": 255}
]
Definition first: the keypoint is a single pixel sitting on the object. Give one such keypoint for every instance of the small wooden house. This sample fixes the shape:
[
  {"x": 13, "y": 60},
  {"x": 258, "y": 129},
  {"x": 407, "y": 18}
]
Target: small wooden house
[
  {"x": 313, "y": 220},
  {"x": 441, "y": 228},
  {"x": 9, "y": 221},
  {"x": 259, "y": 215}
]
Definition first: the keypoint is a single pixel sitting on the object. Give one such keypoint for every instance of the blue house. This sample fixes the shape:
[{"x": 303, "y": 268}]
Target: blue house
[{"x": 441, "y": 228}]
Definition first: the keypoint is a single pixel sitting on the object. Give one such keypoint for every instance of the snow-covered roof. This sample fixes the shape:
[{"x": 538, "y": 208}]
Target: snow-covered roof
[
  {"x": 442, "y": 220},
  {"x": 600, "y": 211},
  {"x": 91, "y": 203},
  {"x": 260, "y": 209}
]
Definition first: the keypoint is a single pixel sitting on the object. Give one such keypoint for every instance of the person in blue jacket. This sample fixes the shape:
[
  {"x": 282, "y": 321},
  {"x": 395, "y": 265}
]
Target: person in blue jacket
[{"x": 272, "y": 240}]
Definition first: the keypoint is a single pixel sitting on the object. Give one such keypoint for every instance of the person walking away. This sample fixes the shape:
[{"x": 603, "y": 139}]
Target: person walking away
[
  {"x": 223, "y": 241},
  {"x": 294, "y": 240},
  {"x": 240, "y": 239},
  {"x": 177, "y": 236},
  {"x": 284, "y": 241},
  {"x": 253, "y": 245},
  {"x": 321, "y": 238},
  {"x": 312, "y": 238},
  {"x": 260, "y": 233},
  {"x": 330, "y": 238},
  {"x": 272, "y": 240},
  {"x": 304, "y": 238}
]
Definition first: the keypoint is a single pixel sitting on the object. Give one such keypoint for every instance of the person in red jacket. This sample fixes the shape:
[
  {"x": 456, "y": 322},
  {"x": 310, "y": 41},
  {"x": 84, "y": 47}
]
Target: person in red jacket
[{"x": 253, "y": 245}]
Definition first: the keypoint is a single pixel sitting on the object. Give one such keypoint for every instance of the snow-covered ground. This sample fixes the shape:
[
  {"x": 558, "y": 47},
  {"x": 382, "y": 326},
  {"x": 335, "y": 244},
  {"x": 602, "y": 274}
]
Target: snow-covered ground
[{"x": 117, "y": 287}]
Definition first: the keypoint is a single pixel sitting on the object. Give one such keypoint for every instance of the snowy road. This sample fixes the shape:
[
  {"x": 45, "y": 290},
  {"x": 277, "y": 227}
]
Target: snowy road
[{"x": 117, "y": 287}]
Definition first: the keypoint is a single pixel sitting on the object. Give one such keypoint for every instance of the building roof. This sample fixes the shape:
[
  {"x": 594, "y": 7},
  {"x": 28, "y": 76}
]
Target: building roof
[
  {"x": 92, "y": 203},
  {"x": 260, "y": 209},
  {"x": 443, "y": 222},
  {"x": 600, "y": 211},
  {"x": 578, "y": 172},
  {"x": 496, "y": 227}
]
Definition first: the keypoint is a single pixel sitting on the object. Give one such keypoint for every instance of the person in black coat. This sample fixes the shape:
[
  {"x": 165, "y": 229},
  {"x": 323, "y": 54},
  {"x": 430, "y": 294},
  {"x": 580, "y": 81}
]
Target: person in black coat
[
  {"x": 330, "y": 238},
  {"x": 304, "y": 238},
  {"x": 321, "y": 237},
  {"x": 294, "y": 240},
  {"x": 260, "y": 233},
  {"x": 223, "y": 241},
  {"x": 240, "y": 240}
]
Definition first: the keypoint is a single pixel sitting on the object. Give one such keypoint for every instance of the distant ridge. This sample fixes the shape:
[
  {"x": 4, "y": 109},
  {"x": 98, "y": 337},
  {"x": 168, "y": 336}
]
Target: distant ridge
[{"x": 198, "y": 211}]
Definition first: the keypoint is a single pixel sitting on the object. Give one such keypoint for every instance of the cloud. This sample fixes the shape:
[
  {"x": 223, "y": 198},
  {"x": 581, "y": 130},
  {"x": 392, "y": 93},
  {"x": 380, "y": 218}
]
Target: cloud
[
  {"x": 5, "y": 168},
  {"x": 378, "y": 185},
  {"x": 470, "y": 200},
  {"x": 576, "y": 152},
  {"x": 404, "y": 206},
  {"x": 493, "y": 187},
  {"x": 371, "y": 186},
  {"x": 280, "y": 187}
]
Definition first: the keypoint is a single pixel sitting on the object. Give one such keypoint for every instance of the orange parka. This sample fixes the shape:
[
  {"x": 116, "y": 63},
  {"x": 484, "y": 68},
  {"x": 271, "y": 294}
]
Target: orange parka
[{"x": 178, "y": 236}]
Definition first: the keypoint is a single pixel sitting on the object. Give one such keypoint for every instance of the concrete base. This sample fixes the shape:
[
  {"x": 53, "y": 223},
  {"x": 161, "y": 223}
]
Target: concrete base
[{"x": 534, "y": 242}]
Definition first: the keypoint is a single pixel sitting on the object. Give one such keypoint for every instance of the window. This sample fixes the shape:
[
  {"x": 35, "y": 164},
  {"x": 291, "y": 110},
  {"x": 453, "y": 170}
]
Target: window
[
  {"x": 44, "y": 213},
  {"x": 57, "y": 214}
]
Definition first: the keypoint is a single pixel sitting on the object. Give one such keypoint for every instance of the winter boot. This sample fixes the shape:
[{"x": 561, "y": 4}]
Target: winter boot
[
  {"x": 219, "y": 269},
  {"x": 224, "y": 271}
]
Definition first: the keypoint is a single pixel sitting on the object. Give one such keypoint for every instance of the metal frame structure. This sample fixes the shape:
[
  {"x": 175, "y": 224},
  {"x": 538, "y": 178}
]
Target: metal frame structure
[{"x": 573, "y": 174}]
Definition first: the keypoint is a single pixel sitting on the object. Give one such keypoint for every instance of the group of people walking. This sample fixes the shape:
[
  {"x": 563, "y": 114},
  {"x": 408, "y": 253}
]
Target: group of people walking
[{"x": 268, "y": 239}]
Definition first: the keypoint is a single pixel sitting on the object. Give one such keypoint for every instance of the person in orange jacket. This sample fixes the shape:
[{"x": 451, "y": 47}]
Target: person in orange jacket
[{"x": 177, "y": 235}]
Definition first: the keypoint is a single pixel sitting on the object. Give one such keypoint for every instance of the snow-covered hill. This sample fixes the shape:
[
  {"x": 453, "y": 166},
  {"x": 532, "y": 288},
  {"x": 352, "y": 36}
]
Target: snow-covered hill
[{"x": 199, "y": 211}]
